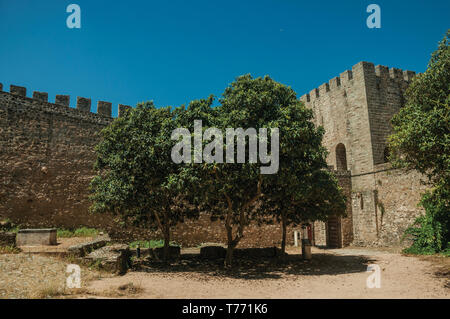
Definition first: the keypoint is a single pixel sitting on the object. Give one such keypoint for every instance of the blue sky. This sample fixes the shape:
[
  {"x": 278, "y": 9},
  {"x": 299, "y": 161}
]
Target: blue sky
[{"x": 175, "y": 51}]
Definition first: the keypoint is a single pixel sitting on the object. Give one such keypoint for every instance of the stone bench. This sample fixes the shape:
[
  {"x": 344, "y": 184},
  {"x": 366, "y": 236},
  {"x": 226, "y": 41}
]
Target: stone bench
[
  {"x": 36, "y": 237},
  {"x": 83, "y": 249},
  {"x": 213, "y": 252},
  {"x": 113, "y": 258},
  {"x": 158, "y": 253}
]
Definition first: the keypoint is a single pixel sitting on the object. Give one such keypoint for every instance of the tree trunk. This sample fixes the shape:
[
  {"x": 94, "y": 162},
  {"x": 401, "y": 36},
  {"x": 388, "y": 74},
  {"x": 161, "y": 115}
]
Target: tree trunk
[
  {"x": 229, "y": 256},
  {"x": 233, "y": 242},
  {"x": 283, "y": 240},
  {"x": 166, "y": 251},
  {"x": 230, "y": 247}
]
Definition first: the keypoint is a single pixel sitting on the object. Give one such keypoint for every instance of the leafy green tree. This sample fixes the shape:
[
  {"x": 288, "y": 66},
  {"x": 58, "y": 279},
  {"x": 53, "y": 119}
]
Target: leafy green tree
[
  {"x": 135, "y": 171},
  {"x": 303, "y": 190},
  {"x": 430, "y": 232},
  {"x": 421, "y": 141},
  {"x": 311, "y": 196},
  {"x": 233, "y": 190}
]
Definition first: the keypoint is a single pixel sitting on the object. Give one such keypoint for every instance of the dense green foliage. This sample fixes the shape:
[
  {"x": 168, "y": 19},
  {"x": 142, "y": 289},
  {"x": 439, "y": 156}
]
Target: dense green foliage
[
  {"x": 239, "y": 193},
  {"x": 313, "y": 194},
  {"x": 139, "y": 180},
  {"x": 134, "y": 165},
  {"x": 421, "y": 141},
  {"x": 303, "y": 190},
  {"x": 430, "y": 233}
]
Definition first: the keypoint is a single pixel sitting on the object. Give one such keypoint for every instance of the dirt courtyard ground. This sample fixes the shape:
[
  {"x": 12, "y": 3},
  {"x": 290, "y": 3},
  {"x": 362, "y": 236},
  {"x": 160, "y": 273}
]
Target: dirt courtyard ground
[{"x": 333, "y": 273}]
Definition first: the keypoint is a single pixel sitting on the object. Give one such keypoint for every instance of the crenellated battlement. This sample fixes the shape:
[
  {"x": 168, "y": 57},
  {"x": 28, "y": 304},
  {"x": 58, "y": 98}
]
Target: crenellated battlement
[
  {"x": 83, "y": 104},
  {"x": 362, "y": 70},
  {"x": 355, "y": 109}
]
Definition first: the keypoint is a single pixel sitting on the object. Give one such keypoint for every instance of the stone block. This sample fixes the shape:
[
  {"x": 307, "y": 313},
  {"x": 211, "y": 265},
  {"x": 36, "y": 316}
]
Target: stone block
[
  {"x": 104, "y": 108},
  {"x": 83, "y": 249},
  {"x": 62, "y": 99},
  {"x": 83, "y": 104},
  {"x": 174, "y": 252},
  {"x": 113, "y": 258},
  {"x": 41, "y": 96},
  {"x": 18, "y": 90},
  {"x": 36, "y": 237},
  {"x": 213, "y": 252}
]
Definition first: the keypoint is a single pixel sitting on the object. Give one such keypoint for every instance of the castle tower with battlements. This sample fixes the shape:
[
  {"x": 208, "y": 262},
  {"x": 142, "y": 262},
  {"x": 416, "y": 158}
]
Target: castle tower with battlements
[{"x": 355, "y": 110}]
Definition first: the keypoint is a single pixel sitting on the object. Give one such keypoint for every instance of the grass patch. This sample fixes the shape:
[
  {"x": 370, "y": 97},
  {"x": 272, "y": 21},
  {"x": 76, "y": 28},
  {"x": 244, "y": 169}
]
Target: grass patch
[
  {"x": 79, "y": 232},
  {"x": 446, "y": 253},
  {"x": 151, "y": 244}
]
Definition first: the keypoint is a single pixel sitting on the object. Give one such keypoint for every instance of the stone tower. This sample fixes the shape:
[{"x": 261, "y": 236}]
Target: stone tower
[{"x": 355, "y": 110}]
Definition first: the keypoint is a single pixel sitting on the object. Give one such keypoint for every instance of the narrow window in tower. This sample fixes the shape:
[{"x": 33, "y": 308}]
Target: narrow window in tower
[{"x": 341, "y": 157}]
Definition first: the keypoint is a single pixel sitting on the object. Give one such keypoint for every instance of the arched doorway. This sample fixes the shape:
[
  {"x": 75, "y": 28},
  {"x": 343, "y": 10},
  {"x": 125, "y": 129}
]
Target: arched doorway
[{"x": 341, "y": 157}]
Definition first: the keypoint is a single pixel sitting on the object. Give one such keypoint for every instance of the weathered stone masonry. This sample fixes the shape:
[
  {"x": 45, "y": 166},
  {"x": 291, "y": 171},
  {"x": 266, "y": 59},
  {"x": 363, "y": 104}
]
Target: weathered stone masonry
[
  {"x": 47, "y": 155},
  {"x": 355, "y": 109},
  {"x": 47, "y": 152},
  {"x": 46, "y": 164}
]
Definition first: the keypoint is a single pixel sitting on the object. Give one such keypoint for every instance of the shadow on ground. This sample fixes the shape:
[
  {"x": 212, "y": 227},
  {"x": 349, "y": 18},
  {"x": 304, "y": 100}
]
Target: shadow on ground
[
  {"x": 441, "y": 267},
  {"x": 260, "y": 268}
]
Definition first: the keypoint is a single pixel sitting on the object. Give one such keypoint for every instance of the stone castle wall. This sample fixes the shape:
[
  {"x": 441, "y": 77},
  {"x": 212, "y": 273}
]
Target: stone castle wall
[
  {"x": 382, "y": 213},
  {"x": 47, "y": 155}
]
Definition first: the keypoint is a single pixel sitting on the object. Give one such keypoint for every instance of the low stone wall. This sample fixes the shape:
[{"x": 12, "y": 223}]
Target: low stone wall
[
  {"x": 398, "y": 196},
  {"x": 83, "y": 249},
  {"x": 382, "y": 213},
  {"x": 113, "y": 258}
]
